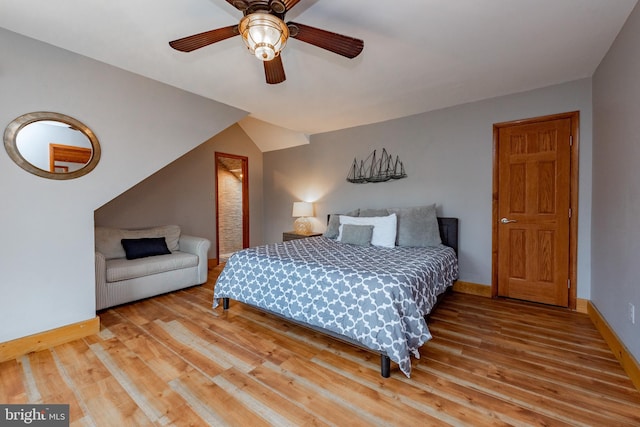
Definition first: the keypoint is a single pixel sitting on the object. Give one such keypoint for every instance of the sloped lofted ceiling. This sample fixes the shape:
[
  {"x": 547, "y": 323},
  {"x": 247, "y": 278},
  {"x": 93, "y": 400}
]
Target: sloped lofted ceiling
[{"x": 419, "y": 55}]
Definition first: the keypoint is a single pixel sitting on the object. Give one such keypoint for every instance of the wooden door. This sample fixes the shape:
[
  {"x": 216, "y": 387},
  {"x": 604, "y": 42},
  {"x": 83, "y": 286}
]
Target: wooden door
[
  {"x": 533, "y": 210},
  {"x": 68, "y": 154}
]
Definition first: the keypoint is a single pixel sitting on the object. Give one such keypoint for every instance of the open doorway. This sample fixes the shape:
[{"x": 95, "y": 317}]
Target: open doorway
[{"x": 232, "y": 204}]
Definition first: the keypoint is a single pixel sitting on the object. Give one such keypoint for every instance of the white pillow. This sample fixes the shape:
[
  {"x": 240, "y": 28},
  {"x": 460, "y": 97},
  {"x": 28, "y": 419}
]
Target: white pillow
[{"x": 384, "y": 228}]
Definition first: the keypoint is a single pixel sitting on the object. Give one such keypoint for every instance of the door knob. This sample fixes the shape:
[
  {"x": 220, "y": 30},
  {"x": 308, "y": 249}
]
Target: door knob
[{"x": 507, "y": 221}]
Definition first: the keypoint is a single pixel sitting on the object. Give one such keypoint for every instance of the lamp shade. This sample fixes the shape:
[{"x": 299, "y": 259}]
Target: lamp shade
[{"x": 302, "y": 209}]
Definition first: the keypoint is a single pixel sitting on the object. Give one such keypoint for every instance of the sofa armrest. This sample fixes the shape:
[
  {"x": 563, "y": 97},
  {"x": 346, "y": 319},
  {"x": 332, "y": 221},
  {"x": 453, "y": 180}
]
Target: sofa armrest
[
  {"x": 101, "y": 281},
  {"x": 198, "y": 246}
]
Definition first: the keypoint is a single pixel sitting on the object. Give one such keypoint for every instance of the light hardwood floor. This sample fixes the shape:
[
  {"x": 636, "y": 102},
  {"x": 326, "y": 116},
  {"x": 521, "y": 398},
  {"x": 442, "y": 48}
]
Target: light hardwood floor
[{"x": 172, "y": 360}]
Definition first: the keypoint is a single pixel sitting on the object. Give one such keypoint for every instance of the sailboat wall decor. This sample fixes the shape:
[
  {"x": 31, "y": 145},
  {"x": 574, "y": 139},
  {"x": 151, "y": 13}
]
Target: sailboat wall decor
[{"x": 376, "y": 169}]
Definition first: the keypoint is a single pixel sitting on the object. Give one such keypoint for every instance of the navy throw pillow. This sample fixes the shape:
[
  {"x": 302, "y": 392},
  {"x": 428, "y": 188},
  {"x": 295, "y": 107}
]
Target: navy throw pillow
[{"x": 145, "y": 247}]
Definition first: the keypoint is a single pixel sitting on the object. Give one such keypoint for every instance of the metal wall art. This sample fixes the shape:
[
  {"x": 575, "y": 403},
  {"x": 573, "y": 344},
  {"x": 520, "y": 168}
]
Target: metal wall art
[{"x": 376, "y": 169}]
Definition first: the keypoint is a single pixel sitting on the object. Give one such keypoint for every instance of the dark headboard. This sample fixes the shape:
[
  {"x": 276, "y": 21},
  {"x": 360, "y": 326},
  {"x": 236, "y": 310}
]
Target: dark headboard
[{"x": 449, "y": 232}]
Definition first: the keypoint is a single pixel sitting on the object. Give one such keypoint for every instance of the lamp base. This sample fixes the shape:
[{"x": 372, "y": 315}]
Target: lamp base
[{"x": 302, "y": 226}]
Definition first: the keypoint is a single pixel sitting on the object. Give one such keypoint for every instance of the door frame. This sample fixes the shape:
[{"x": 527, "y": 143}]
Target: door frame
[
  {"x": 245, "y": 200},
  {"x": 574, "y": 116}
]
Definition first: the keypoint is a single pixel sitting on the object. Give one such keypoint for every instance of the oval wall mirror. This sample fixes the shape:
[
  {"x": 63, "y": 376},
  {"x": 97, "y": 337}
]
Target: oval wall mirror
[{"x": 52, "y": 145}]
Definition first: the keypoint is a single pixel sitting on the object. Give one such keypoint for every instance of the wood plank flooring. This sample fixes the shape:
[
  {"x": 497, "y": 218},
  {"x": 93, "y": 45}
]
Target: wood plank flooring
[{"x": 172, "y": 360}]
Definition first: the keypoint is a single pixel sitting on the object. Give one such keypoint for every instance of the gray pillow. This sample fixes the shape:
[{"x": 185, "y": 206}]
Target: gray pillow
[
  {"x": 417, "y": 226},
  {"x": 334, "y": 224},
  {"x": 374, "y": 212},
  {"x": 357, "y": 234}
]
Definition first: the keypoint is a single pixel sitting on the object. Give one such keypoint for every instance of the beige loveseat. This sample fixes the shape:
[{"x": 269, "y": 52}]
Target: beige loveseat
[{"x": 183, "y": 263}]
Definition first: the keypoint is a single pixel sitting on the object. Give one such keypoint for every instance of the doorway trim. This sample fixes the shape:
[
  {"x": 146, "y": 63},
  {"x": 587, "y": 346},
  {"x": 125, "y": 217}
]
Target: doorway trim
[
  {"x": 245, "y": 200},
  {"x": 574, "y": 116}
]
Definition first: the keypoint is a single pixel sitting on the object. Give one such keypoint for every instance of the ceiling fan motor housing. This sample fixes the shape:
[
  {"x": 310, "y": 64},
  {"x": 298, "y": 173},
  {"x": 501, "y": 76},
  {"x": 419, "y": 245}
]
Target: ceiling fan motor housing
[
  {"x": 240, "y": 4},
  {"x": 274, "y": 7},
  {"x": 277, "y": 6}
]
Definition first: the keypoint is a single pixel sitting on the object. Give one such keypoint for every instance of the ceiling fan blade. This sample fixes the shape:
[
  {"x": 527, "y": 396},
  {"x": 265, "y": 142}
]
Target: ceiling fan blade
[
  {"x": 290, "y": 3},
  {"x": 196, "y": 41},
  {"x": 336, "y": 43},
  {"x": 274, "y": 71}
]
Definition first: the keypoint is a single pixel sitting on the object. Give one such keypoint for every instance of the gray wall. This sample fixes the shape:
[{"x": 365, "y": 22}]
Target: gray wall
[
  {"x": 183, "y": 193},
  {"x": 448, "y": 159},
  {"x": 47, "y": 260},
  {"x": 615, "y": 271}
]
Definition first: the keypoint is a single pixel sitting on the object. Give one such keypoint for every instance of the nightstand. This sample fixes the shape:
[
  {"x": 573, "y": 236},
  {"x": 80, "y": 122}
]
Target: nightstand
[{"x": 292, "y": 235}]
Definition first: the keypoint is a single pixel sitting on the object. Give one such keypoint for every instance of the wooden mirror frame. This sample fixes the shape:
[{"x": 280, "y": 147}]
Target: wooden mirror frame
[{"x": 10, "y": 144}]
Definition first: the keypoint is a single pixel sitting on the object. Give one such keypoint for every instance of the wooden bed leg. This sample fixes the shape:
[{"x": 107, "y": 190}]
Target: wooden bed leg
[
  {"x": 385, "y": 366},
  {"x": 225, "y": 303}
]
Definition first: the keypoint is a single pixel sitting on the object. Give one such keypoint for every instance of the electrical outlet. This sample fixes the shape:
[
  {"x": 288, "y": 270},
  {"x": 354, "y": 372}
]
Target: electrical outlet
[{"x": 632, "y": 313}]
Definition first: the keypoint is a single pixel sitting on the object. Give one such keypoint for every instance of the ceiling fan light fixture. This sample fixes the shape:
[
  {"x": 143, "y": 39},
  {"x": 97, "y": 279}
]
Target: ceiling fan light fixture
[{"x": 264, "y": 35}]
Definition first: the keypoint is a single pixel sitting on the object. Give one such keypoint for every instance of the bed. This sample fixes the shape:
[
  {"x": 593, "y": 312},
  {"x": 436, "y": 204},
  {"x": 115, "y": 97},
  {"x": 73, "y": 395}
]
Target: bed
[{"x": 373, "y": 297}]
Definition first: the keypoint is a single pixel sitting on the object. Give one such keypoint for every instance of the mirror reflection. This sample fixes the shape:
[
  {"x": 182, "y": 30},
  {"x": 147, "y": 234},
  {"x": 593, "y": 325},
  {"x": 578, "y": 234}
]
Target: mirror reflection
[
  {"x": 40, "y": 144},
  {"x": 52, "y": 145}
]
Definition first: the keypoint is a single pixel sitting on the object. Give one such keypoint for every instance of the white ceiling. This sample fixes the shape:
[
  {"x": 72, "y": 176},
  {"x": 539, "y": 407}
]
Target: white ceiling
[{"x": 419, "y": 55}]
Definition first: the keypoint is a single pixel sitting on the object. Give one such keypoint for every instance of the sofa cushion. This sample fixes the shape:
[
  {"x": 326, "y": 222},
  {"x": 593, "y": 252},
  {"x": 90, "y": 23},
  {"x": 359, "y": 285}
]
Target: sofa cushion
[
  {"x": 123, "y": 269},
  {"x": 145, "y": 247},
  {"x": 108, "y": 240}
]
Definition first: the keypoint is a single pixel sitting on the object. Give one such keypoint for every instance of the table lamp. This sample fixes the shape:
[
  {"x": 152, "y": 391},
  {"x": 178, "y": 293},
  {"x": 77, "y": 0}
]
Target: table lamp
[{"x": 302, "y": 210}]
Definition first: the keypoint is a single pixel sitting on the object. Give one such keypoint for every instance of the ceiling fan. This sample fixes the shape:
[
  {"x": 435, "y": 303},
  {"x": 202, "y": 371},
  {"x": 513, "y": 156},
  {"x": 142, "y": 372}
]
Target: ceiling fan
[{"x": 265, "y": 34}]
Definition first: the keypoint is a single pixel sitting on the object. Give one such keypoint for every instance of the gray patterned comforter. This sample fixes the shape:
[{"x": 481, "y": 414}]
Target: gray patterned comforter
[{"x": 375, "y": 296}]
